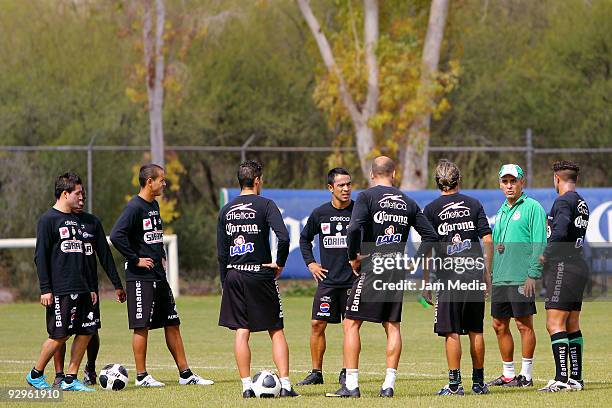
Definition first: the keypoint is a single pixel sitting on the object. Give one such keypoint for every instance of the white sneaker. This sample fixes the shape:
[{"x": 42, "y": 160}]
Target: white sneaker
[
  {"x": 575, "y": 385},
  {"x": 195, "y": 379},
  {"x": 555, "y": 386},
  {"x": 149, "y": 381}
]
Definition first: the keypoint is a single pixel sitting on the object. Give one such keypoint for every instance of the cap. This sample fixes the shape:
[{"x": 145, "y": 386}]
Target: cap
[{"x": 512, "y": 170}]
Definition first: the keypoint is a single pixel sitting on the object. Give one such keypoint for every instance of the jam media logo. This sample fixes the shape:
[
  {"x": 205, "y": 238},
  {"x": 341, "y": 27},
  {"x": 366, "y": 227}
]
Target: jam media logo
[
  {"x": 458, "y": 245},
  {"x": 64, "y": 232},
  {"x": 393, "y": 201},
  {"x": 241, "y": 247},
  {"x": 325, "y": 227},
  {"x": 146, "y": 224},
  {"x": 242, "y": 211},
  {"x": 390, "y": 237},
  {"x": 600, "y": 224},
  {"x": 454, "y": 210}
]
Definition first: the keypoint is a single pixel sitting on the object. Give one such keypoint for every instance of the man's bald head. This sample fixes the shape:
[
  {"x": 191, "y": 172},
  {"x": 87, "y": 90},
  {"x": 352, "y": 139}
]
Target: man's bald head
[{"x": 382, "y": 166}]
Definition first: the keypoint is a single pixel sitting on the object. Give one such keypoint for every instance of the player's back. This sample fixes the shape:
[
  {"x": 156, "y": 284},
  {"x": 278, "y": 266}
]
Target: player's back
[{"x": 567, "y": 224}]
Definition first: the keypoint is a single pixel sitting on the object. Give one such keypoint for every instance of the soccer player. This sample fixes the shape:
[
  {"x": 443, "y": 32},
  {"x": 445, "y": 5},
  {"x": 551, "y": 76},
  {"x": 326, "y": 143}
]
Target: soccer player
[
  {"x": 460, "y": 221},
  {"x": 138, "y": 234},
  {"x": 333, "y": 275},
  {"x": 385, "y": 215},
  {"x": 566, "y": 274},
  {"x": 251, "y": 301},
  {"x": 66, "y": 291},
  {"x": 519, "y": 237},
  {"x": 94, "y": 242}
]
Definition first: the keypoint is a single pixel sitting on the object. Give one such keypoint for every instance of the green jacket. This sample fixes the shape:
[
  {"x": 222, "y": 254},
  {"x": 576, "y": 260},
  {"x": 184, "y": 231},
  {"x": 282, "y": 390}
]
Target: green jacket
[{"x": 521, "y": 229}]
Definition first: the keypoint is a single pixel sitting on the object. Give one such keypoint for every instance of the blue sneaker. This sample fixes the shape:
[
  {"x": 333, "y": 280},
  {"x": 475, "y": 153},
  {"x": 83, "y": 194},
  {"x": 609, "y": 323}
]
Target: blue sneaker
[
  {"x": 75, "y": 385},
  {"x": 446, "y": 390},
  {"x": 38, "y": 383},
  {"x": 478, "y": 388}
]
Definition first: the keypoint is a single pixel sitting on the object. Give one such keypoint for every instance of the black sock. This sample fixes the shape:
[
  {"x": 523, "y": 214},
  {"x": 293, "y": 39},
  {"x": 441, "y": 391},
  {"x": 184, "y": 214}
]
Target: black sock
[
  {"x": 478, "y": 375},
  {"x": 454, "y": 379},
  {"x": 35, "y": 373},
  {"x": 69, "y": 378},
  {"x": 576, "y": 347},
  {"x": 141, "y": 376},
  {"x": 560, "y": 346},
  {"x": 185, "y": 374},
  {"x": 60, "y": 374},
  {"x": 316, "y": 370},
  {"x": 90, "y": 367}
]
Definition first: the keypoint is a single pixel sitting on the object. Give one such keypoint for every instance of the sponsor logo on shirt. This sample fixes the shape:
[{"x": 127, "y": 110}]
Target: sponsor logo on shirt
[
  {"x": 241, "y": 212},
  {"x": 381, "y": 217},
  {"x": 325, "y": 299},
  {"x": 390, "y": 237},
  {"x": 325, "y": 227},
  {"x": 71, "y": 223},
  {"x": 57, "y": 311},
  {"x": 340, "y": 218},
  {"x": 583, "y": 208},
  {"x": 241, "y": 247},
  {"x": 454, "y": 210},
  {"x": 151, "y": 213},
  {"x": 392, "y": 201},
  {"x": 580, "y": 222},
  {"x": 247, "y": 268},
  {"x": 516, "y": 216},
  {"x": 147, "y": 224},
  {"x": 334, "y": 241},
  {"x": 87, "y": 235},
  {"x": 90, "y": 315},
  {"x": 64, "y": 232},
  {"x": 72, "y": 246},
  {"x": 154, "y": 237},
  {"x": 458, "y": 245},
  {"x": 231, "y": 229},
  {"x": 445, "y": 227},
  {"x": 88, "y": 248}
]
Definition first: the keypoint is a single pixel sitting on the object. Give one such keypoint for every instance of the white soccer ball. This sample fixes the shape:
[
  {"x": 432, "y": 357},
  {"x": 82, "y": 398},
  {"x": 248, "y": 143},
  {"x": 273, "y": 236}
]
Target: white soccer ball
[
  {"x": 266, "y": 384},
  {"x": 113, "y": 377}
]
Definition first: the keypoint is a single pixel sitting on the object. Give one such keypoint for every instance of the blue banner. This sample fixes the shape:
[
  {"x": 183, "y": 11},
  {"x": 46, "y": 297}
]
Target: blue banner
[{"x": 296, "y": 206}]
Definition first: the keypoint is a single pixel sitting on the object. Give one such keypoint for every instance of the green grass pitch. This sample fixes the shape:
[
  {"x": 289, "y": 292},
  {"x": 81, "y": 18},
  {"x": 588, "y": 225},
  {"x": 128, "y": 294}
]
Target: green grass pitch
[{"x": 421, "y": 373}]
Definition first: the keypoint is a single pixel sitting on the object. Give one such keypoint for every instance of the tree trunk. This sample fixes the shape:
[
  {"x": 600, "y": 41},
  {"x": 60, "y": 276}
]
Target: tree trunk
[
  {"x": 154, "y": 62},
  {"x": 415, "y": 155},
  {"x": 364, "y": 135}
]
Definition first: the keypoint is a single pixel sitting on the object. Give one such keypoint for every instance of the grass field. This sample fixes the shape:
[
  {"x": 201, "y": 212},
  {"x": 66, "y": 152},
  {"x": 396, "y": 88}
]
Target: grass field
[{"x": 421, "y": 373}]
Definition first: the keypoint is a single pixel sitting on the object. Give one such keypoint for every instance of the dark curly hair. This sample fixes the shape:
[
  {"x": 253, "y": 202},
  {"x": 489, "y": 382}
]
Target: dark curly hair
[{"x": 566, "y": 170}]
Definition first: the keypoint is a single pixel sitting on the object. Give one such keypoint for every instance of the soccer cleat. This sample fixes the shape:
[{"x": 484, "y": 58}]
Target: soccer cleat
[
  {"x": 195, "y": 379},
  {"x": 446, "y": 390},
  {"x": 500, "y": 381},
  {"x": 75, "y": 385},
  {"x": 344, "y": 392},
  {"x": 58, "y": 381},
  {"x": 519, "y": 381},
  {"x": 313, "y": 378},
  {"x": 89, "y": 377},
  {"x": 39, "y": 383},
  {"x": 288, "y": 393},
  {"x": 149, "y": 381},
  {"x": 248, "y": 393},
  {"x": 342, "y": 377},
  {"x": 555, "y": 386},
  {"x": 576, "y": 385},
  {"x": 478, "y": 388},
  {"x": 386, "y": 393}
]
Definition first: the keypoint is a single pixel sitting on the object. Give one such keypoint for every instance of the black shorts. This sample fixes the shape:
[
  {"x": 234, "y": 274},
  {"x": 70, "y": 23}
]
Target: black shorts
[
  {"x": 329, "y": 304},
  {"x": 458, "y": 316},
  {"x": 359, "y": 308},
  {"x": 509, "y": 301},
  {"x": 71, "y": 314},
  {"x": 151, "y": 305},
  {"x": 250, "y": 303},
  {"x": 565, "y": 284}
]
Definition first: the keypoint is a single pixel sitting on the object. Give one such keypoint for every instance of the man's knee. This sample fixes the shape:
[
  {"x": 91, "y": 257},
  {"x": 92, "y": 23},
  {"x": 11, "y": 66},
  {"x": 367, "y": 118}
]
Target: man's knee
[
  {"x": 524, "y": 325},
  {"x": 318, "y": 327},
  {"x": 501, "y": 326}
]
